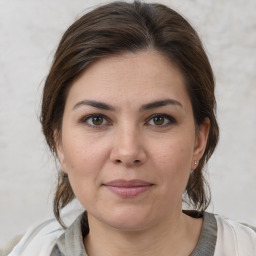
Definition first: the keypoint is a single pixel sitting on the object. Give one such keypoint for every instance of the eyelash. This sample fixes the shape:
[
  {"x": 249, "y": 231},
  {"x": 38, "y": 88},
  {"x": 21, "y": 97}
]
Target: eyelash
[
  {"x": 85, "y": 120},
  {"x": 170, "y": 120}
]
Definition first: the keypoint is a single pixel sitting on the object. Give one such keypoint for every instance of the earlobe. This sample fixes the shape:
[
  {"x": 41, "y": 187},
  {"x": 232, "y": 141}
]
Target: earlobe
[{"x": 200, "y": 142}]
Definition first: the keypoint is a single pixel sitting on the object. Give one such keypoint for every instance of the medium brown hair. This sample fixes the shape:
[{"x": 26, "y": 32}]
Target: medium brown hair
[{"x": 120, "y": 27}]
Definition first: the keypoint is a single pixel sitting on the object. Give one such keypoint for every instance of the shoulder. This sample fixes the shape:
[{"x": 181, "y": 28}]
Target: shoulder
[
  {"x": 40, "y": 239},
  {"x": 234, "y": 238}
]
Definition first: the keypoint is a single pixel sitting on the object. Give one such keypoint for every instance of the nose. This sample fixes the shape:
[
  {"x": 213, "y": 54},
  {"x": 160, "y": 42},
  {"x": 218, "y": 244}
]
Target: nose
[{"x": 128, "y": 148}]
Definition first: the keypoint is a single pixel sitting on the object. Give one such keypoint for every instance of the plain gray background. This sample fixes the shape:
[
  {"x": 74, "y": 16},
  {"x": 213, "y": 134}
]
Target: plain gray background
[{"x": 30, "y": 32}]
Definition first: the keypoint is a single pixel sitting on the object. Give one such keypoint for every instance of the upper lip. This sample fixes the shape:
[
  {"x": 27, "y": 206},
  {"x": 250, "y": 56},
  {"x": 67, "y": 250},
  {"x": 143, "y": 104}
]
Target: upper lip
[{"x": 127, "y": 183}]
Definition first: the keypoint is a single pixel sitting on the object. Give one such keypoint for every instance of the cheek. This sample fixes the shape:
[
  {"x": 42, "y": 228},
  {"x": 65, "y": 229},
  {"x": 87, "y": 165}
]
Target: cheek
[
  {"x": 83, "y": 154},
  {"x": 84, "y": 161},
  {"x": 173, "y": 162},
  {"x": 85, "y": 158},
  {"x": 176, "y": 155}
]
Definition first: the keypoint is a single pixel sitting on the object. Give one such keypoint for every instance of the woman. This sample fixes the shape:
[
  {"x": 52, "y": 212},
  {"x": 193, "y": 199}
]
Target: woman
[{"x": 129, "y": 111}]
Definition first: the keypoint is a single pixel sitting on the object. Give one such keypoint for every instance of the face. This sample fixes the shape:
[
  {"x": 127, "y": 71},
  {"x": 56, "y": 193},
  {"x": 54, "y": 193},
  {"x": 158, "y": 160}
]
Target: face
[{"x": 128, "y": 140}]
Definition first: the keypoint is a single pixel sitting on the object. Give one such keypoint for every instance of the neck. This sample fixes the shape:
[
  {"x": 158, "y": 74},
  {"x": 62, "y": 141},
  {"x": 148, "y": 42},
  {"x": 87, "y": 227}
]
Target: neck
[{"x": 177, "y": 235}]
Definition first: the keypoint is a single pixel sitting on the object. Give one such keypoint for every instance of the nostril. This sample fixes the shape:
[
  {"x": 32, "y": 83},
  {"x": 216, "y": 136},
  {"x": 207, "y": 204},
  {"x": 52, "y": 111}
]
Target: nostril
[{"x": 118, "y": 161}]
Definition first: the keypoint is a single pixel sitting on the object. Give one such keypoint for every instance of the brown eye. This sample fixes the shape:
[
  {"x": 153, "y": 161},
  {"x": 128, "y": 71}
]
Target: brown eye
[
  {"x": 97, "y": 120},
  {"x": 161, "y": 120},
  {"x": 158, "y": 120}
]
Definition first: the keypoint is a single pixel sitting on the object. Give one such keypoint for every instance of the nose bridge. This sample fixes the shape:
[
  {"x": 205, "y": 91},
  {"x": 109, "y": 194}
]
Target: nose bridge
[
  {"x": 128, "y": 138},
  {"x": 127, "y": 146}
]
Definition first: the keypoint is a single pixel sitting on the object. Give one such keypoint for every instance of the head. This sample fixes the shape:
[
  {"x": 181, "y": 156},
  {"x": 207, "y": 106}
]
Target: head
[{"x": 124, "y": 29}]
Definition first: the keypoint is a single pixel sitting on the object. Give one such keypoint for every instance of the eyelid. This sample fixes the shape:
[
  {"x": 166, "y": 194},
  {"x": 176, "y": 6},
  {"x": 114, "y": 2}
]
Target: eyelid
[
  {"x": 84, "y": 120},
  {"x": 170, "y": 118}
]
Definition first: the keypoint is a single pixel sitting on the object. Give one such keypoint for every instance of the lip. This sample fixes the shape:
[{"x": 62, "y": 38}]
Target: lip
[{"x": 128, "y": 188}]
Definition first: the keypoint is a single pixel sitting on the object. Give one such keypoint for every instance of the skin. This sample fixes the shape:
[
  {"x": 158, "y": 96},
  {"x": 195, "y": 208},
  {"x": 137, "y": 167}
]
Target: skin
[{"x": 126, "y": 142}]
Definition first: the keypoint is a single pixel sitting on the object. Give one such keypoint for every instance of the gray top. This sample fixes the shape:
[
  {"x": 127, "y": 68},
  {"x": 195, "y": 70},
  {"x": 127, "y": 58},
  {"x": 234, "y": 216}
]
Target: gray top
[{"x": 71, "y": 243}]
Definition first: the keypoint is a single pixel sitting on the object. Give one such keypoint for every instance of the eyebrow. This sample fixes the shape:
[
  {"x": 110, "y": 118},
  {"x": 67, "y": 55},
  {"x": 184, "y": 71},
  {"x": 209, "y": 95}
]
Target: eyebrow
[
  {"x": 95, "y": 104},
  {"x": 148, "y": 106},
  {"x": 160, "y": 103}
]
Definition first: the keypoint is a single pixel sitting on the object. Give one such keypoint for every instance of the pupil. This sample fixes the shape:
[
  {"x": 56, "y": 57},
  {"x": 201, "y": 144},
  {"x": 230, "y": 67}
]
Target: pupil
[
  {"x": 158, "y": 120},
  {"x": 97, "y": 120}
]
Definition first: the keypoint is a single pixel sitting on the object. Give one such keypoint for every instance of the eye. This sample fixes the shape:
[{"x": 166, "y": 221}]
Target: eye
[
  {"x": 95, "y": 120},
  {"x": 161, "y": 120}
]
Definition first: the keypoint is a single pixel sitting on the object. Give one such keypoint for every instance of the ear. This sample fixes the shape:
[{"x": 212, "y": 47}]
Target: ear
[
  {"x": 201, "y": 138},
  {"x": 59, "y": 149}
]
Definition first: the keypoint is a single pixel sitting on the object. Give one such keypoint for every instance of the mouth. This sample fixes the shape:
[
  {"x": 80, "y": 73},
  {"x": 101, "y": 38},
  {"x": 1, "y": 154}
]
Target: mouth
[{"x": 128, "y": 188}]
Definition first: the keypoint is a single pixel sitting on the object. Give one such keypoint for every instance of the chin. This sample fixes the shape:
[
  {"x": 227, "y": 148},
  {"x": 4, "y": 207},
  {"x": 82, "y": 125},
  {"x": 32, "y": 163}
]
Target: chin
[{"x": 128, "y": 219}]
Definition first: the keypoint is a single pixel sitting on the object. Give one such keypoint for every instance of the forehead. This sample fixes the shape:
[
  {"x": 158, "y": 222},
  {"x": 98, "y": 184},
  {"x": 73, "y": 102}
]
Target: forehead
[{"x": 130, "y": 77}]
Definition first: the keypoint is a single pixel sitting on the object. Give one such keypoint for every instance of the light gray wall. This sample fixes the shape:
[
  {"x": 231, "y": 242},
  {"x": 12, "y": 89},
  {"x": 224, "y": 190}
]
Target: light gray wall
[{"x": 30, "y": 31}]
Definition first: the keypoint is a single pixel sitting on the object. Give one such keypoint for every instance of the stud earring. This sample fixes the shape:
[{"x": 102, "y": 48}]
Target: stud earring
[{"x": 195, "y": 162}]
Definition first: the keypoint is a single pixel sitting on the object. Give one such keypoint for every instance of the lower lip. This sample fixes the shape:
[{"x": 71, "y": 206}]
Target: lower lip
[{"x": 128, "y": 192}]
